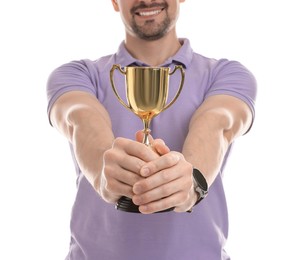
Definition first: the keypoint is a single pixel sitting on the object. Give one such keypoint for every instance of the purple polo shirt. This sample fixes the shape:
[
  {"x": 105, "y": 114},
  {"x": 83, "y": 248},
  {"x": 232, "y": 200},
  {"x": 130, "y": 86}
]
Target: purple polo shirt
[{"x": 98, "y": 230}]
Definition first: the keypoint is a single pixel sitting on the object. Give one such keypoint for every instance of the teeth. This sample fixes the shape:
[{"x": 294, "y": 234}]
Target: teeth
[{"x": 150, "y": 13}]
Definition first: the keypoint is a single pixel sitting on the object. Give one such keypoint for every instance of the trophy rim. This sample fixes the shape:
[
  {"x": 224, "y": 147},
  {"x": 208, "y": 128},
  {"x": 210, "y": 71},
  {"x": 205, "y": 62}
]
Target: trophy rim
[{"x": 148, "y": 67}]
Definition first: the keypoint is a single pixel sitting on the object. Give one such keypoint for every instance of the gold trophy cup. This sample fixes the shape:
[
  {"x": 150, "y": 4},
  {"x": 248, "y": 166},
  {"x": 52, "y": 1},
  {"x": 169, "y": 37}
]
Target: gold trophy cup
[{"x": 146, "y": 92}]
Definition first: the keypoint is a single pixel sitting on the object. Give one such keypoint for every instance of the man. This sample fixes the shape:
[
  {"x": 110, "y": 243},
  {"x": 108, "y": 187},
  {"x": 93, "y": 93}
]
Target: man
[{"x": 190, "y": 145}]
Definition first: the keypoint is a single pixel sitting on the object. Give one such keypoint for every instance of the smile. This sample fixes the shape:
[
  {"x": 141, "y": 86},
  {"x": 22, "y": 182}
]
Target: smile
[{"x": 149, "y": 13}]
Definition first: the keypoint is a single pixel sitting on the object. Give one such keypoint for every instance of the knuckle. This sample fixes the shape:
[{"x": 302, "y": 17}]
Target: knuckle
[
  {"x": 176, "y": 201},
  {"x": 119, "y": 141},
  {"x": 142, "y": 153},
  {"x": 171, "y": 159},
  {"x": 135, "y": 178},
  {"x": 165, "y": 175},
  {"x": 107, "y": 171},
  {"x": 183, "y": 196},
  {"x": 109, "y": 155},
  {"x": 188, "y": 183},
  {"x": 166, "y": 190},
  {"x": 139, "y": 164},
  {"x": 144, "y": 198},
  {"x": 109, "y": 185},
  {"x": 144, "y": 185},
  {"x": 165, "y": 205}
]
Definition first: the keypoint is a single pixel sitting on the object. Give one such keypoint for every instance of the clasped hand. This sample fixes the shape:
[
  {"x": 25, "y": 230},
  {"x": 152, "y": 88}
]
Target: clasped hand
[{"x": 156, "y": 179}]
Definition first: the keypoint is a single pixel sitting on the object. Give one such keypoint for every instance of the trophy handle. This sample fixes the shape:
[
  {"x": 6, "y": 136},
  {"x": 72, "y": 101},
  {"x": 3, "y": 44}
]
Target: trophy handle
[
  {"x": 180, "y": 86},
  {"x": 114, "y": 67}
]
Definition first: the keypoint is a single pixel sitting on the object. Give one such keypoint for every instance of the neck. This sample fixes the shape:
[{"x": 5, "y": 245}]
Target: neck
[{"x": 153, "y": 53}]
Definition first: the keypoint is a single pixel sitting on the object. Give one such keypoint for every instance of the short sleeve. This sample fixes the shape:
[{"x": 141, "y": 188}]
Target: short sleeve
[
  {"x": 73, "y": 76},
  {"x": 232, "y": 78}
]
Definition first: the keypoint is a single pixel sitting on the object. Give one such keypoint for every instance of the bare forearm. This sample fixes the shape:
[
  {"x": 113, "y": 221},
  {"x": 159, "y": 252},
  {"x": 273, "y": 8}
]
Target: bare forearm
[
  {"x": 91, "y": 137},
  {"x": 205, "y": 149},
  {"x": 214, "y": 126},
  {"x": 87, "y": 126}
]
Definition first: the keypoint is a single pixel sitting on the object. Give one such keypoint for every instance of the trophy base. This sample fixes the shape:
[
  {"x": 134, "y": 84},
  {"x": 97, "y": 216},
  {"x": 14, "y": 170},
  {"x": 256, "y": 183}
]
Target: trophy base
[{"x": 127, "y": 205}]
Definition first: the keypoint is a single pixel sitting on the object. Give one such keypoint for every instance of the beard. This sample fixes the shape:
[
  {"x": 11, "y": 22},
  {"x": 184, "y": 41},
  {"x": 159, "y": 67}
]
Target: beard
[{"x": 150, "y": 30}]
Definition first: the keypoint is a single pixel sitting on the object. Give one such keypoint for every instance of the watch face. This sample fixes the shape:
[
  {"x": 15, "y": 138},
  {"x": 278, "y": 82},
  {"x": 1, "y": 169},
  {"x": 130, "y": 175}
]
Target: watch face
[{"x": 200, "y": 179}]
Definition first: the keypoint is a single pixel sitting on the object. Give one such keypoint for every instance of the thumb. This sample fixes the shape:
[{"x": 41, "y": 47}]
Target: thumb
[
  {"x": 160, "y": 147},
  {"x": 139, "y": 136}
]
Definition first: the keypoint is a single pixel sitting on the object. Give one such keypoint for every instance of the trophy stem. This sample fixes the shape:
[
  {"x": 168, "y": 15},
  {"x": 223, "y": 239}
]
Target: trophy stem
[{"x": 146, "y": 131}]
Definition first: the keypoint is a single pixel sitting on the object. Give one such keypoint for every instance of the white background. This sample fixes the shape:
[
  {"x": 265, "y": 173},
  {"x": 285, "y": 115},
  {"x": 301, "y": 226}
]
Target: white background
[{"x": 265, "y": 179}]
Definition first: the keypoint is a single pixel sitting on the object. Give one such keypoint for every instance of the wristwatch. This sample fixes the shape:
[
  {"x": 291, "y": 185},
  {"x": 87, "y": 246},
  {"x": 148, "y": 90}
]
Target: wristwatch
[{"x": 200, "y": 185}]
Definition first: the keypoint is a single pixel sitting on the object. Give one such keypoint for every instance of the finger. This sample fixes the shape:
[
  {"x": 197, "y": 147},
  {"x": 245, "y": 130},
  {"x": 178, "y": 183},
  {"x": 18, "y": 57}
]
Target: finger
[
  {"x": 158, "y": 193},
  {"x": 154, "y": 181},
  {"x": 118, "y": 182},
  {"x": 136, "y": 149},
  {"x": 118, "y": 188},
  {"x": 188, "y": 204},
  {"x": 121, "y": 175},
  {"x": 116, "y": 160},
  {"x": 166, "y": 161},
  {"x": 139, "y": 138},
  {"x": 162, "y": 204},
  {"x": 139, "y": 135},
  {"x": 159, "y": 146}
]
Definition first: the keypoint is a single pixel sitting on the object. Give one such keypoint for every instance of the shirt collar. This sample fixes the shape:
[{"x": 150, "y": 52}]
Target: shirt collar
[{"x": 183, "y": 56}]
